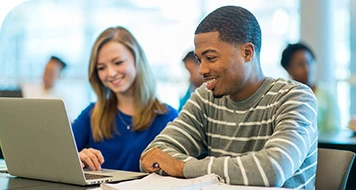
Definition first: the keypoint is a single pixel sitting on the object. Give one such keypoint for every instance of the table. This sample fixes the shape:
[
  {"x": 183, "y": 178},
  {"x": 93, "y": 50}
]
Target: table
[
  {"x": 11, "y": 182},
  {"x": 343, "y": 140},
  {"x": 8, "y": 181}
]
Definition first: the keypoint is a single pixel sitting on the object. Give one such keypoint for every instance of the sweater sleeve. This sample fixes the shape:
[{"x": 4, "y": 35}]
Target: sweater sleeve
[{"x": 182, "y": 139}]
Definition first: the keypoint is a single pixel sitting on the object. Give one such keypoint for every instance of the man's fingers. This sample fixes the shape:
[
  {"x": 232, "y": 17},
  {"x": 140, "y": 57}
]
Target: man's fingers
[
  {"x": 150, "y": 151},
  {"x": 150, "y": 160},
  {"x": 155, "y": 159}
]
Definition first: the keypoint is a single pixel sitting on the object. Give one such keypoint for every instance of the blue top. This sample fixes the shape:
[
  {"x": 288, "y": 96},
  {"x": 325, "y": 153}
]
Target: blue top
[
  {"x": 186, "y": 96},
  {"x": 124, "y": 150}
]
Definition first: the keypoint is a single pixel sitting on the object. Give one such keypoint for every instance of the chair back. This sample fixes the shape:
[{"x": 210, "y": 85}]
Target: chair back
[{"x": 333, "y": 168}]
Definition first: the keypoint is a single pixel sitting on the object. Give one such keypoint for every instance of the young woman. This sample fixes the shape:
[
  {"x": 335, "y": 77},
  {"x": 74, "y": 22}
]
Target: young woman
[{"x": 127, "y": 116}]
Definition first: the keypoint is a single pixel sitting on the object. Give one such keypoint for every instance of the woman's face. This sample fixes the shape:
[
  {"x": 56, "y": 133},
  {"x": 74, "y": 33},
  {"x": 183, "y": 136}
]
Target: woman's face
[
  {"x": 116, "y": 68},
  {"x": 301, "y": 67}
]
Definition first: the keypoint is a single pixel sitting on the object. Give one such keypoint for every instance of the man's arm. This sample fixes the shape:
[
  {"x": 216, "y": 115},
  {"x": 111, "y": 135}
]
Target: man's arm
[{"x": 181, "y": 140}]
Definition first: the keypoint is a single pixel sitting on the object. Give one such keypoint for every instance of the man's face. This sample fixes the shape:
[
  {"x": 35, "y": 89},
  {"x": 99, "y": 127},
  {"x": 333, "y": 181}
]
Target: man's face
[
  {"x": 51, "y": 73},
  {"x": 222, "y": 65}
]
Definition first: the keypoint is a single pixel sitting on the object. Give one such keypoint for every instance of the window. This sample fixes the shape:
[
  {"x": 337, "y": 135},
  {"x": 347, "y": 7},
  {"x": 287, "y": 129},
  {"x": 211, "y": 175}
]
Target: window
[{"x": 37, "y": 29}]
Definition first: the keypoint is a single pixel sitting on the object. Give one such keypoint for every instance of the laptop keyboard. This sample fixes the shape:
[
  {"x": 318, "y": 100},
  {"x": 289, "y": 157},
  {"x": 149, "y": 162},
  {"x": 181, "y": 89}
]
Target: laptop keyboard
[{"x": 95, "y": 176}]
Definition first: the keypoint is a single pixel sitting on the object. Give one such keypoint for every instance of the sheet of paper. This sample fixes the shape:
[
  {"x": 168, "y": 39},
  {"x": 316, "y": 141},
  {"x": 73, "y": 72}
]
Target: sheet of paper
[
  {"x": 157, "y": 182},
  {"x": 223, "y": 186}
]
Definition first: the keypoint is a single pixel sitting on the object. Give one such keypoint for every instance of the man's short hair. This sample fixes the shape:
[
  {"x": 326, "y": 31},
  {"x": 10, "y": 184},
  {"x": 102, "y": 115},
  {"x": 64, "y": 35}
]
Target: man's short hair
[
  {"x": 236, "y": 25},
  {"x": 63, "y": 64},
  {"x": 290, "y": 50}
]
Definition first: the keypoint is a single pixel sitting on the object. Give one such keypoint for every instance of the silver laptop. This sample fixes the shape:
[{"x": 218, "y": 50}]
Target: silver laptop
[{"x": 37, "y": 142}]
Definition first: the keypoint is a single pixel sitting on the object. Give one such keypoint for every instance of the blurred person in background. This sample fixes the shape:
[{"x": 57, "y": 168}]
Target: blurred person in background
[
  {"x": 299, "y": 61},
  {"x": 47, "y": 88},
  {"x": 52, "y": 86},
  {"x": 52, "y": 72},
  {"x": 195, "y": 79}
]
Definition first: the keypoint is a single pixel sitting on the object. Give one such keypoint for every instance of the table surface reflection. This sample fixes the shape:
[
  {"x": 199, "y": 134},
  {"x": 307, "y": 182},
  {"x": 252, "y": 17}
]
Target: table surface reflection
[{"x": 8, "y": 181}]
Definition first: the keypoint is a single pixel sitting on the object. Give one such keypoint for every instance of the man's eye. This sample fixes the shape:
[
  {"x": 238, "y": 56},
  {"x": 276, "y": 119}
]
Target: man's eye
[{"x": 211, "y": 58}]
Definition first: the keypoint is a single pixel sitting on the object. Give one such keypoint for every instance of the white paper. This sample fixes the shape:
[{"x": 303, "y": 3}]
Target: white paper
[{"x": 157, "y": 182}]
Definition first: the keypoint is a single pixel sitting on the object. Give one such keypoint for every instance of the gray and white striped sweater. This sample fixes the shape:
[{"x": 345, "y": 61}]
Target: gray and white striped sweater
[{"x": 268, "y": 139}]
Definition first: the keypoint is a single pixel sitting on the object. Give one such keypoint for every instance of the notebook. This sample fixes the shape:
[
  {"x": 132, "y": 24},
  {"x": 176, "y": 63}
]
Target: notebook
[{"x": 37, "y": 142}]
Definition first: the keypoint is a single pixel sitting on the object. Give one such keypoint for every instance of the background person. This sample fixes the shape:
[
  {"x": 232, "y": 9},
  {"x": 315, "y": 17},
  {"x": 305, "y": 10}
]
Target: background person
[
  {"x": 247, "y": 128},
  {"x": 47, "y": 88},
  {"x": 299, "y": 61},
  {"x": 52, "y": 72},
  {"x": 195, "y": 80},
  {"x": 53, "y": 87},
  {"x": 112, "y": 132}
]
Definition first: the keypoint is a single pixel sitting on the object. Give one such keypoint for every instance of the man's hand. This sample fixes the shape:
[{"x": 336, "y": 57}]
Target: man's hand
[
  {"x": 167, "y": 163},
  {"x": 92, "y": 158}
]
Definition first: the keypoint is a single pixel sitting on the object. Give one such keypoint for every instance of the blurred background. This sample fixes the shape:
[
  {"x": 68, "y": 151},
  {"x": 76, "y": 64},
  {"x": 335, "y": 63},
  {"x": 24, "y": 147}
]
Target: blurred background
[{"x": 33, "y": 30}]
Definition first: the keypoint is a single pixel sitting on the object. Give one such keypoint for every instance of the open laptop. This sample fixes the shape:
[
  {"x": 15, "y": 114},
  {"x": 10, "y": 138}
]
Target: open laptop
[{"x": 37, "y": 142}]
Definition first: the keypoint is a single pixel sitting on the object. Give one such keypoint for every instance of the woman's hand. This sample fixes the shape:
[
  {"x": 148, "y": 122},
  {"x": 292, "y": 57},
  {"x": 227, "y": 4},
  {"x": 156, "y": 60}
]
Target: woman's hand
[{"x": 92, "y": 158}]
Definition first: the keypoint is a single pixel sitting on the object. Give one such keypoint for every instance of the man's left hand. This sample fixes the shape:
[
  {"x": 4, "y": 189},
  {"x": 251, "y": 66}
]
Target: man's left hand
[{"x": 167, "y": 163}]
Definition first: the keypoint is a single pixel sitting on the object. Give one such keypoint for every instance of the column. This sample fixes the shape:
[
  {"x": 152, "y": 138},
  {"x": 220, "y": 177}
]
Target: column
[{"x": 316, "y": 30}]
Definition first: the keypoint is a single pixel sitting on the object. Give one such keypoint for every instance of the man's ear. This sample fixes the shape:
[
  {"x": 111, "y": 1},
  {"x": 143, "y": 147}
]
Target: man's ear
[{"x": 249, "y": 51}]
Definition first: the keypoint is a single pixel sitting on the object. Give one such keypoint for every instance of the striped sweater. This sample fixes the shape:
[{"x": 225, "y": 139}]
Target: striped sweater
[{"x": 268, "y": 139}]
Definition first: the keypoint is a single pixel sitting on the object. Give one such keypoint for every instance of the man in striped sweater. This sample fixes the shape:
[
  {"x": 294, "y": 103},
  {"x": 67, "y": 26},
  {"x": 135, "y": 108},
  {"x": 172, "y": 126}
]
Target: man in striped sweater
[{"x": 247, "y": 128}]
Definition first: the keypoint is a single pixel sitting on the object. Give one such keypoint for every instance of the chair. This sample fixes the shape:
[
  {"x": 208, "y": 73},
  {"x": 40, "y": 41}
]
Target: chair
[{"x": 333, "y": 168}]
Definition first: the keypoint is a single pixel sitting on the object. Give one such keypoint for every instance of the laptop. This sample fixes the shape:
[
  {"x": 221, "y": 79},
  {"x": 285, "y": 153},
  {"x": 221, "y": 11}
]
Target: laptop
[{"x": 38, "y": 143}]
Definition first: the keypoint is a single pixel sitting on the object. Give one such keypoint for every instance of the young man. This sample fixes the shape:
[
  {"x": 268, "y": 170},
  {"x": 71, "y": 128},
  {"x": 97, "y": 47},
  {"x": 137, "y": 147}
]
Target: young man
[
  {"x": 52, "y": 86},
  {"x": 247, "y": 128},
  {"x": 47, "y": 88}
]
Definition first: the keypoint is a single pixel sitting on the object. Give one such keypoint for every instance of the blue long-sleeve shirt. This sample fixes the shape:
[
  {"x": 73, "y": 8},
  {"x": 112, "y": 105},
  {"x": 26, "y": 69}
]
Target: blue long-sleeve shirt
[{"x": 124, "y": 150}]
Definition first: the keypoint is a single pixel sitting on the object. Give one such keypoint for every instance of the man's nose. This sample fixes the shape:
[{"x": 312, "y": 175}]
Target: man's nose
[{"x": 203, "y": 68}]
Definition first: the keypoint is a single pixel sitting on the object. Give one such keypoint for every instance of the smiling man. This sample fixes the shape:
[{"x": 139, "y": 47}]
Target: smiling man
[{"x": 247, "y": 128}]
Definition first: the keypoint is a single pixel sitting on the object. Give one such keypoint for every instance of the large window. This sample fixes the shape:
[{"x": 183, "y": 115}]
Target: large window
[
  {"x": 341, "y": 41},
  {"x": 37, "y": 29}
]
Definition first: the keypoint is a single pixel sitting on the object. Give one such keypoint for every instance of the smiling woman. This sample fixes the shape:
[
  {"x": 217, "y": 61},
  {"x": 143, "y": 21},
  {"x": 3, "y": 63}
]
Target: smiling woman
[{"x": 127, "y": 114}]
